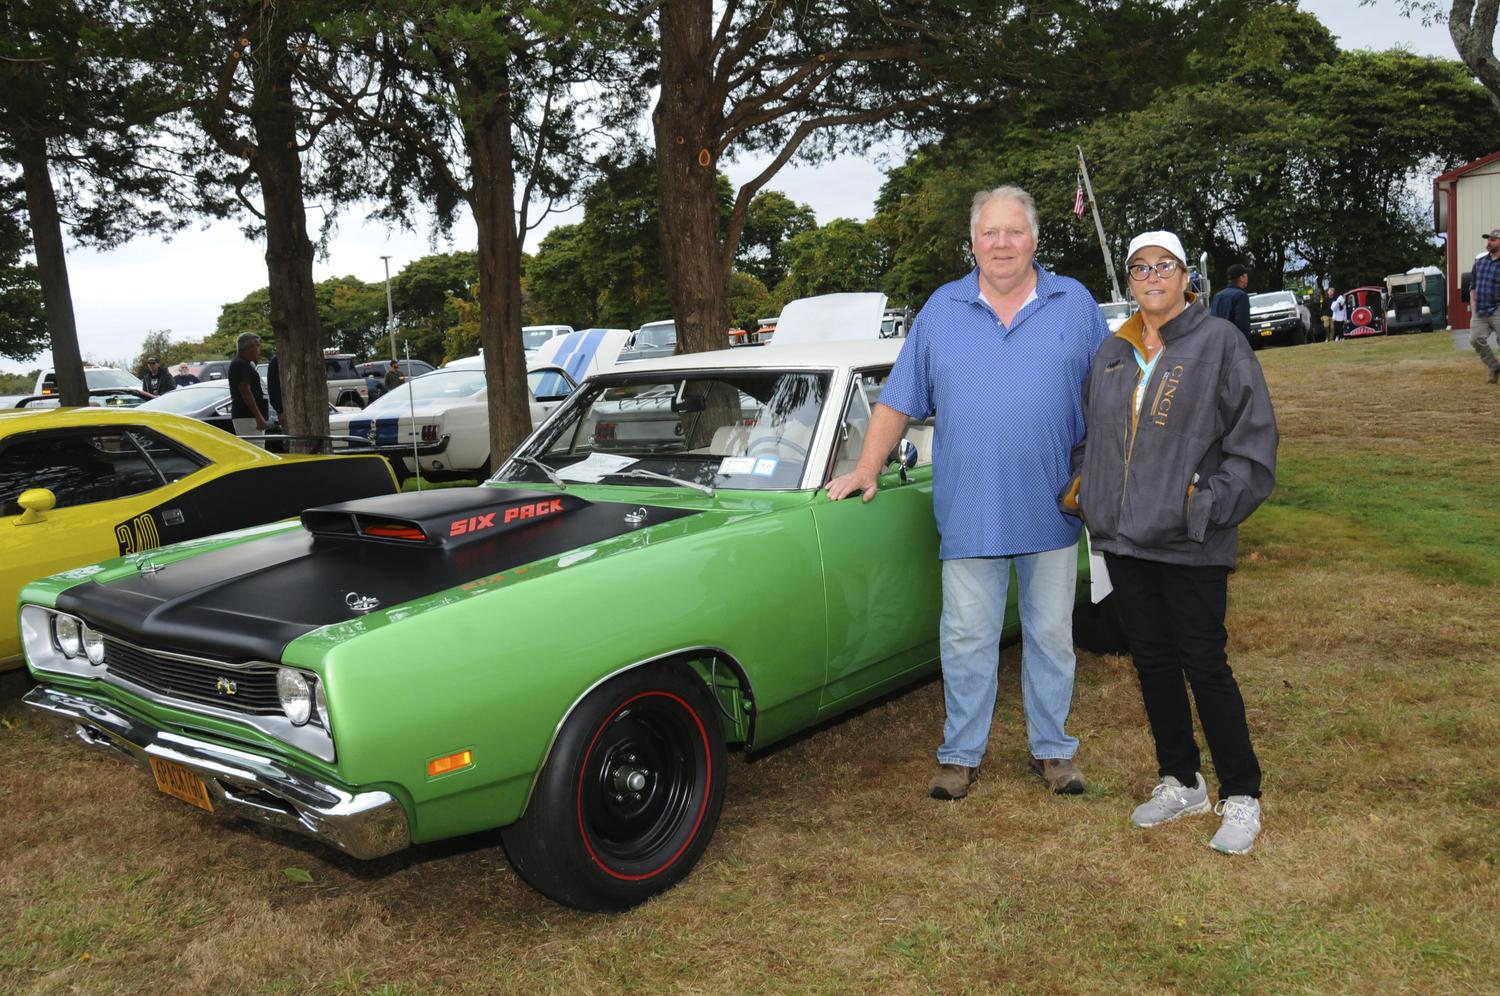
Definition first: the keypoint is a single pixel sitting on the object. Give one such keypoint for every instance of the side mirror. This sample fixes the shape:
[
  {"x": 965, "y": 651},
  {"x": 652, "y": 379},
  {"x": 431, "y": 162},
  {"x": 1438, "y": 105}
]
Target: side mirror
[
  {"x": 905, "y": 457},
  {"x": 35, "y": 501}
]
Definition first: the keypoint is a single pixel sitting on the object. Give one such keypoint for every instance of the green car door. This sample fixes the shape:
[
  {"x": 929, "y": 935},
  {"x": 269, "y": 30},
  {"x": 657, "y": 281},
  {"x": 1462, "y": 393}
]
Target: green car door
[{"x": 881, "y": 575}]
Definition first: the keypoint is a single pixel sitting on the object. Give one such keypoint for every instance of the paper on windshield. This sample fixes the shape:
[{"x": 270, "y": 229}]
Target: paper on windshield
[{"x": 598, "y": 465}]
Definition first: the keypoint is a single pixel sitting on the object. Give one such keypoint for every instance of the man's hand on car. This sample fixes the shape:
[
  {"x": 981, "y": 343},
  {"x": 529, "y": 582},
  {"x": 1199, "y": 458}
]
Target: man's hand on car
[{"x": 857, "y": 479}]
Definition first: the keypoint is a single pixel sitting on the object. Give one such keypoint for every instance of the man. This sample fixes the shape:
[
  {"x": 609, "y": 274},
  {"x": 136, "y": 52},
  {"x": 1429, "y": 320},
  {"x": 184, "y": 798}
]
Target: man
[
  {"x": 1232, "y": 303},
  {"x": 183, "y": 378},
  {"x": 157, "y": 380},
  {"x": 1327, "y": 312},
  {"x": 1001, "y": 356},
  {"x": 393, "y": 378},
  {"x": 1485, "y": 294},
  {"x": 247, "y": 401}
]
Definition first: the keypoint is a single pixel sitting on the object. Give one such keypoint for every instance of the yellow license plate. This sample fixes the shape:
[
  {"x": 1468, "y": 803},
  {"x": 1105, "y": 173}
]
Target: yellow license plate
[
  {"x": 180, "y": 783},
  {"x": 1266, "y": 332}
]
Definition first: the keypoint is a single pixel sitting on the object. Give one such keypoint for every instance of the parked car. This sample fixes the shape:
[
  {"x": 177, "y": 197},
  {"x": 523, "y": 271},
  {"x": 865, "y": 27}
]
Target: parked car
[
  {"x": 650, "y": 341},
  {"x": 1116, "y": 313},
  {"x": 446, "y": 413},
  {"x": 206, "y": 402},
  {"x": 80, "y": 485},
  {"x": 1406, "y": 307},
  {"x": 560, "y": 653},
  {"x": 99, "y": 397},
  {"x": 1277, "y": 319},
  {"x": 534, "y": 337},
  {"x": 95, "y": 377},
  {"x": 407, "y": 368},
  {"x": 1365, "y": 307}
]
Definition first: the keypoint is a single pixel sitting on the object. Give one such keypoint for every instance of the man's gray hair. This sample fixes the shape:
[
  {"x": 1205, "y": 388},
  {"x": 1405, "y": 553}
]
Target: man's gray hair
[
  {"x": 1021, "y": 197},
  {"x": 245, "y": 341}
]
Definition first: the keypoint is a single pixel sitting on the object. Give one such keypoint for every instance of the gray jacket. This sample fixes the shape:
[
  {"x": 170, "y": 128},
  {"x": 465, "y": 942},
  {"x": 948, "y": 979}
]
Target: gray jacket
[{"x": 1173, "y": 481}]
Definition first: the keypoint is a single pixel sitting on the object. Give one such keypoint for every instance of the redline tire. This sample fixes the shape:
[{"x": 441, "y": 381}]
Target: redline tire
[{"x": 630, "y": 795}]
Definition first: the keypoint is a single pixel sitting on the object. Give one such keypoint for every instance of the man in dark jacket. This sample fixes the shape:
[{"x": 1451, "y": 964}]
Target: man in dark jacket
[
  {"x": 1232, "y": 303},
  {"x": 158, "y": 379}
]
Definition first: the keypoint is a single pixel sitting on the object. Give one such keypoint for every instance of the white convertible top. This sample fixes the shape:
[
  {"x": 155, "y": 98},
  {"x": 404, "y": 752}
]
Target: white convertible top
[{"x": 814, "y": 354}]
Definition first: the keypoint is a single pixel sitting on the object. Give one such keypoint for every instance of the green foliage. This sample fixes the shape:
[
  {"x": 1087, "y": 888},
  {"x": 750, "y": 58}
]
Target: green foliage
[
  {"x": 749, "y": 300},
  {"x": 841, "y": 256},
  {"x": 772, "y": 219},
  {"x": 12, "y": 384},
  {"x": 252, "y": 313},
  {"x": 23, "y": 328},
  {"x": 160, "y": 345}
]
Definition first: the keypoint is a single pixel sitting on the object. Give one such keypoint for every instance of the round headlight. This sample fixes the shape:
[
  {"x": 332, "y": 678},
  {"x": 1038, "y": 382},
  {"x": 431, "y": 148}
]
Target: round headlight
[
  {"x": 65, "y": 628},
  {"x": 93, "y": 644},
  {"x": 296, "y": 695}
]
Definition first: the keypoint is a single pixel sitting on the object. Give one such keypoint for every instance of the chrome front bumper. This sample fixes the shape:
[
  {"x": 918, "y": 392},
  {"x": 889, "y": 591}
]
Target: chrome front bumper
[{"x": 239, "y": 783}]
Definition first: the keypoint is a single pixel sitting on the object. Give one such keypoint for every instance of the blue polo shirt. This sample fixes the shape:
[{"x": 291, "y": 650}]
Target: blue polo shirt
[{"x": 1009, "y": 410}]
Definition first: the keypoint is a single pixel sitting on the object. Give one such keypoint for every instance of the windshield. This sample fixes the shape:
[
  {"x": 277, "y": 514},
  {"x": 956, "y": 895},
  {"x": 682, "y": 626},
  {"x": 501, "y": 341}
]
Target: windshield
[
  {"x": 1276, "y": 299},
  {"x": 661, "y": 335},
  {"x": 441, "y": 385},
  {"x": 188, "y": 399},
  {"x": 110, "y": 378},
  {"x": 745, "y": 431},
  {"x": 548, "y": 385},
  {"x": 535, "y": 338}
]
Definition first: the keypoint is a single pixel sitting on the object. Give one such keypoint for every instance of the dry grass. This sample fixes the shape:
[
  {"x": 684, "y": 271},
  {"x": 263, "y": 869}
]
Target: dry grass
[{"x": 1362, "y": 634}]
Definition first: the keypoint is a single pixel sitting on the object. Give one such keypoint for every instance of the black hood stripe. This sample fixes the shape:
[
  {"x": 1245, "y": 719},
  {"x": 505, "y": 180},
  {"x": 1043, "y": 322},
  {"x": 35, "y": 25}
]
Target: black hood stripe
[{"x": 248, "y": 601}]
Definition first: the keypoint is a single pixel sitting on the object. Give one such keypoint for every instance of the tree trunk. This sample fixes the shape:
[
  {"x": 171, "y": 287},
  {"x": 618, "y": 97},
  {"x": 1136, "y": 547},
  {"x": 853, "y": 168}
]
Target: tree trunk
[
  {"x": 1473, "y": 34},
  {"x": 289, "y": 252},
  {"x": 492, "y": 199},
  {"x": 52, "y": 272},
  {"x": 688, "y": 123}
]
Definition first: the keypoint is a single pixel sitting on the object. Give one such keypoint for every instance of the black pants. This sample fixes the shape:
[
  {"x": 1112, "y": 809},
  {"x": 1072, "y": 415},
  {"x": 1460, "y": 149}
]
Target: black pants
[{"x": 1174, "y": 619}]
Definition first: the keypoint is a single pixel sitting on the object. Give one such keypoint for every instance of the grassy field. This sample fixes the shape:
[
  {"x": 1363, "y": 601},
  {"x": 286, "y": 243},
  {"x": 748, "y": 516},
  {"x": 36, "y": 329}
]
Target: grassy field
[{"x": 1363, "y": 628}]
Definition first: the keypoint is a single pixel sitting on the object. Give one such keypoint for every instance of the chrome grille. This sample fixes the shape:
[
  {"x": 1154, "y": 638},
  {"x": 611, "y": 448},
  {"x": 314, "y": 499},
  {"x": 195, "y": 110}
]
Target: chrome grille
[{"x": 246, "y": 688}]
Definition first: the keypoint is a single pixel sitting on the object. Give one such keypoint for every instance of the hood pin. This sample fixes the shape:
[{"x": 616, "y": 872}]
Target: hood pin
[
  {"x": 149, "y": 567},
  {"x": 361, "y": 603},
  {"x": 636, "y": 517}
]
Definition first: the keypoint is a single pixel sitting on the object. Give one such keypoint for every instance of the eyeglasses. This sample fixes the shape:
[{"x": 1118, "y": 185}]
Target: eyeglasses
[{"x": 1165, "y": 270}]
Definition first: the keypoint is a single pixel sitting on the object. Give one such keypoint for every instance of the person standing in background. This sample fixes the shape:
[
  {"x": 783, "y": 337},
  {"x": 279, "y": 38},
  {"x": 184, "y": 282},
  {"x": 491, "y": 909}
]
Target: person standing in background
[
  {"x": 158, "y": 379},
  {"x": 247, "y": 400},
  {"x": 1486, "y": 297},
  {"x": 1232, "y": 303},
  {"x": 1329, "y": 297},
  {"x": 393, "y": 378},
  {"x": 1340, "y": 313},
  {"x": 183, "y": 378}
]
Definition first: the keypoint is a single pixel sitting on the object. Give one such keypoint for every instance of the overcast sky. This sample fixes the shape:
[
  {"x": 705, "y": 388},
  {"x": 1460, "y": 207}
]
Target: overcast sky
[{"x": 180, "y": 285}]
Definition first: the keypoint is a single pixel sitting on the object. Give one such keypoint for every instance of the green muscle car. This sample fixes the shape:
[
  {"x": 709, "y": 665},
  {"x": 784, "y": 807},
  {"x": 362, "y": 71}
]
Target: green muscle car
[{"x": 564, "y": 652}]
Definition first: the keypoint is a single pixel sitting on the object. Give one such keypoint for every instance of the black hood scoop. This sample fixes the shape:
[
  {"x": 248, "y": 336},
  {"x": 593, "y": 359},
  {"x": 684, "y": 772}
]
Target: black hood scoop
[
  {"x": 248, "y": 601},
  {"x": 445, "y": 518}
]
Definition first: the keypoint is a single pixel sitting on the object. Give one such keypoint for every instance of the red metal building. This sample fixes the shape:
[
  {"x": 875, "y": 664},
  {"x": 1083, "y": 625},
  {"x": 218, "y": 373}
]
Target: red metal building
[{"x": 1465, "y": 205}]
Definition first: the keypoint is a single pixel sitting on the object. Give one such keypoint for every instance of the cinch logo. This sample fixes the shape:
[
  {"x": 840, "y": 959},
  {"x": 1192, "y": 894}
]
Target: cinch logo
[
  {"x": 511, "y": 514},
  {"x": 1163, "y": 404}
]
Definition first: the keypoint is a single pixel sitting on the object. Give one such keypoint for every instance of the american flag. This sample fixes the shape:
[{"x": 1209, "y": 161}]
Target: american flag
[{"x": 1078, "y": 201}]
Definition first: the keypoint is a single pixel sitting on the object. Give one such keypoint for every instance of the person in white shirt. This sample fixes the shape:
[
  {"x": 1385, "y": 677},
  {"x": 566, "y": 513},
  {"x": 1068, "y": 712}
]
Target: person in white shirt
[{"x": 1339, "y": 317}]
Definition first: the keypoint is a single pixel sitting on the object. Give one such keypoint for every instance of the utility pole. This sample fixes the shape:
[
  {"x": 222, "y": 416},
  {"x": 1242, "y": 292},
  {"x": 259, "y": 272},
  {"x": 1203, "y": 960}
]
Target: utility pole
[
  {"x": 390, "y": 312},
  {"x": 1109, "y": 264}
]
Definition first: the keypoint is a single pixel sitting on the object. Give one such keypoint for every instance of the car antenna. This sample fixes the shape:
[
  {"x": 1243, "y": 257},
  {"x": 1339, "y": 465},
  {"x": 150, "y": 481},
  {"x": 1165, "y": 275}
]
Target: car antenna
[{"x": 411, "y": 399}]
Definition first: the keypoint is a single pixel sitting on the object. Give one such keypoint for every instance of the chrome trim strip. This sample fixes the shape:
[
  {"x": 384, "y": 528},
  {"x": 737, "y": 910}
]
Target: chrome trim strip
[
  {"x": 739, "y": 671},
  {"x": 240, "y": 783}
]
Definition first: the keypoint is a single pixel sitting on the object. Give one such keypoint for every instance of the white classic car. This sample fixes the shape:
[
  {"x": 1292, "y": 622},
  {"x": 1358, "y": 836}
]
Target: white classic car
[{"x": 445, "y": 415}]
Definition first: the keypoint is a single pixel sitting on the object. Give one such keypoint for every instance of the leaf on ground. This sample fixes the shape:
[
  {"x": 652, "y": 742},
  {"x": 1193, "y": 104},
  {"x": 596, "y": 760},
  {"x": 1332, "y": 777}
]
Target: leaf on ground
[{"x": 297, "y": 874}]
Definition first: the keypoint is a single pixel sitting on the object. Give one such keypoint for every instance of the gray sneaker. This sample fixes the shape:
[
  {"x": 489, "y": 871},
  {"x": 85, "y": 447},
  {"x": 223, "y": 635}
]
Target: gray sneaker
[
  {"x": 1240, "y": 827},
  {"x": 1171, "y": 800}
]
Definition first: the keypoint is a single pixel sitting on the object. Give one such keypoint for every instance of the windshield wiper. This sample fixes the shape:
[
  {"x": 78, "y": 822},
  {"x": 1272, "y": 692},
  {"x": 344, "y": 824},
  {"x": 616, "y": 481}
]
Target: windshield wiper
[
  {"x": 653, "y": 475},
  {"x": 551, "y": 474}
]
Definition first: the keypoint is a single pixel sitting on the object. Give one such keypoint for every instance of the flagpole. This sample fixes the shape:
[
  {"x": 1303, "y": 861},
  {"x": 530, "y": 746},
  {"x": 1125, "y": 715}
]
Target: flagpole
[{"x": 1109, "y": 264}]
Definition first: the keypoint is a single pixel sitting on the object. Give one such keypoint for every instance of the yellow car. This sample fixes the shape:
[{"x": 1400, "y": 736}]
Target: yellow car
[{"x": 81, "y": 485}]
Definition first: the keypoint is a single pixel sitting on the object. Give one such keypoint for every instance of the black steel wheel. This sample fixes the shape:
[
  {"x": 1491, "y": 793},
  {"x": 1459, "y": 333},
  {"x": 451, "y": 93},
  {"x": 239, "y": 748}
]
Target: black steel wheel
[{"x": 630, "y": 795}]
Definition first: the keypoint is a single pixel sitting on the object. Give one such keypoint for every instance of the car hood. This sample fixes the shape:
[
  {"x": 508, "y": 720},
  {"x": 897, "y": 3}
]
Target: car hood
[
  {"x": 428, "y": 407},
  {"x": 249, "y": 600}
]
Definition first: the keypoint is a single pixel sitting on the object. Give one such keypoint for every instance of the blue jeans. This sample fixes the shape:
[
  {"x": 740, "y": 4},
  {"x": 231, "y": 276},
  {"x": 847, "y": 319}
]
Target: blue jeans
[{"x": 974, "y": 593}]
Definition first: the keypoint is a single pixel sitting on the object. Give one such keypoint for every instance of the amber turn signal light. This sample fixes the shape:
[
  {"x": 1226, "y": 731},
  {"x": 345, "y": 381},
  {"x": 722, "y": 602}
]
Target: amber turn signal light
[{"x": 452, "y": 762}]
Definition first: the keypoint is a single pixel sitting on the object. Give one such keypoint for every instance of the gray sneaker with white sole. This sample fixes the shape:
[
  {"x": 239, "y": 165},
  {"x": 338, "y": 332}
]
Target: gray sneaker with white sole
[
  {"x": 1172, "y": 800},
  {"x": 1240, "y": 827}
]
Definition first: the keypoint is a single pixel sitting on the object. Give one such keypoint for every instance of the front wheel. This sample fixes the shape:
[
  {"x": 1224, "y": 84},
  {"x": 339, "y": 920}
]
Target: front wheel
[{"x": 630, "y": 796}]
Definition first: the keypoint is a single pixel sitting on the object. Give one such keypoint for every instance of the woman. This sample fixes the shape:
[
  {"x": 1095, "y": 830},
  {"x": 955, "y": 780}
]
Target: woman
[{"x": 1180, "y": 448}]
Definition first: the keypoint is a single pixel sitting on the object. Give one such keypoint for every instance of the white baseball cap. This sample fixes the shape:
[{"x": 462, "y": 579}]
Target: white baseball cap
[{"x": 1166, "y": 240}]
